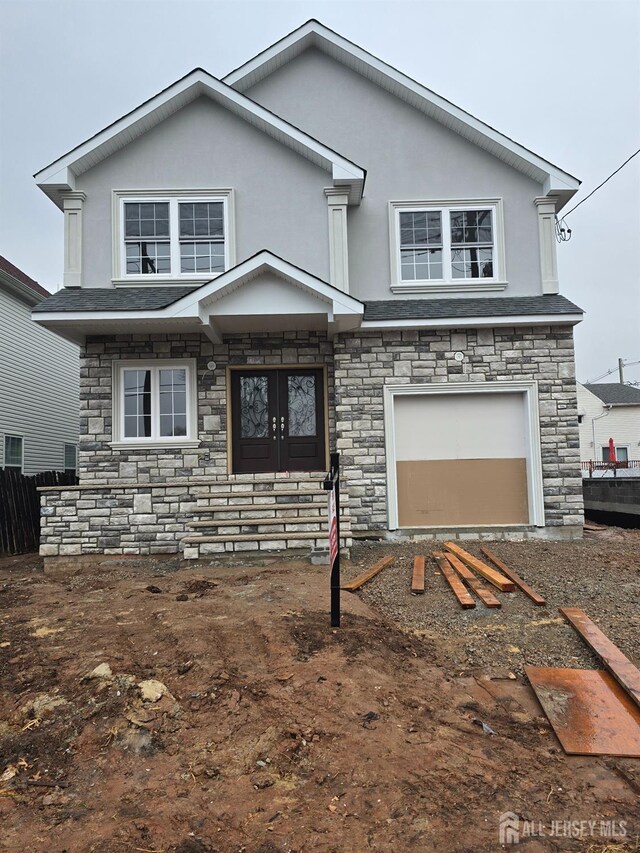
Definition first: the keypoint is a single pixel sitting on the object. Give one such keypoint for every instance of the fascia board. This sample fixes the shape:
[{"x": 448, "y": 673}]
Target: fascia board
[
  {"x": 475, "y": 322},
  {"x": 382, "y": 74}
]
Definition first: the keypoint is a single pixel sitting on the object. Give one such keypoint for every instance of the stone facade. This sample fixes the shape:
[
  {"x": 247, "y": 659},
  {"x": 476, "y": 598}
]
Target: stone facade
[
  {"x": 100, "y": 463},
  {"x": 117, "y": 518},
  {"x": 366, "y": 361}
]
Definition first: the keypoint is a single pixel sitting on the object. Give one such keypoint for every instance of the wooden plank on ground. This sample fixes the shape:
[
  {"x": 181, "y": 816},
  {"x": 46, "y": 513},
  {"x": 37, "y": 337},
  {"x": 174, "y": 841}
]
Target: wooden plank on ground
[
  {"x": 533, "y": 595},
  {"x": 489, "y": 574},
  {"x": 361, "y": 580},
  {"x": 485, "y": 595},
  {"x": 459, "y": 589},
  {"x": 625, "y": 673},
  {"x": 417, "y": 581}
]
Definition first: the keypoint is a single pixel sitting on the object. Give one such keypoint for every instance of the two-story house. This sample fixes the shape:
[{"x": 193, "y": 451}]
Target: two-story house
[
  {"x": 39, "y": 380},
  {"x": 315, "y": 252}
]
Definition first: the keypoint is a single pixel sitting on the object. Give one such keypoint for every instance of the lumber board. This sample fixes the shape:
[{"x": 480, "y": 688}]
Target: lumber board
[
  {"x": 458, "y": 588},
  {"x": 417, "y": 580},
  {"x": 485, "y": 595},
  {"x": 625, "y": 673},
  {"x": 531, "y": 593},
  {"x": 492, "y": 575},
  {"x": 361, "y": 580}
]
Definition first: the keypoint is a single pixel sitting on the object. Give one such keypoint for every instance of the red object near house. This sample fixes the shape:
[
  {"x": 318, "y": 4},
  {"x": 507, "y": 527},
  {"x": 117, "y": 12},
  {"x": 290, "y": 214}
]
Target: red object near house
[{"x": 612, "y": 451}]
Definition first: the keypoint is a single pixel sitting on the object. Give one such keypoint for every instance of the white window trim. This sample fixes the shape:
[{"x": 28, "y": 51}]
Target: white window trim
[
  {"x": 4, "y": 451},
  {"x": 534, "y": 456},
  {"x": 119, "y": 441},
  {"x": 617, "y": 448},
  {"x": 119, "y": 197},
  {"x": 448, "y": 285}
]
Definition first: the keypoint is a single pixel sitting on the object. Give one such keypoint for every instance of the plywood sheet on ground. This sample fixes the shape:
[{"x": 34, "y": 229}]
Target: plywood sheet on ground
[
  {"x": 616, "y": 662},
  {"x": 589, "y": 711},
  {"x": 446, "y": 492}
]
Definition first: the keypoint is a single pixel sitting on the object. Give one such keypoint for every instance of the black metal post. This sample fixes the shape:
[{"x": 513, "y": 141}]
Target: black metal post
[{"x": 332, "y": 483}]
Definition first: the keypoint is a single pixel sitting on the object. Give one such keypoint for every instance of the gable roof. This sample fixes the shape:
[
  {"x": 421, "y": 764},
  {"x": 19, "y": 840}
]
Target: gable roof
[
  {"x": 20, "y": 283},
  {"x": 557, "y": 183},
  {"x": 61, "y": 174},
  {"x": 74, "y": 312},
  {"x": 615, "y": 394}
]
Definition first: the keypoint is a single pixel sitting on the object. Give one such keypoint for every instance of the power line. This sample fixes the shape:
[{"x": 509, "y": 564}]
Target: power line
[{"x": 635, "y": 153}]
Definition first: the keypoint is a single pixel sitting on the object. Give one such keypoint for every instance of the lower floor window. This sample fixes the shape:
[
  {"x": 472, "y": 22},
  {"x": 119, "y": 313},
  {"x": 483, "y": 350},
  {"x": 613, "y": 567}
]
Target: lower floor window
[
  {"x": 156, "y": 401},
  {"x": 13, "y": 452},
  {"x": 70, "y": 458}
]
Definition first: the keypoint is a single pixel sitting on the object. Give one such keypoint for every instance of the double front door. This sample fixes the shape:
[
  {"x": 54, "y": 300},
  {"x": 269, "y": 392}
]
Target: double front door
[{"x": 277, "y": 420}]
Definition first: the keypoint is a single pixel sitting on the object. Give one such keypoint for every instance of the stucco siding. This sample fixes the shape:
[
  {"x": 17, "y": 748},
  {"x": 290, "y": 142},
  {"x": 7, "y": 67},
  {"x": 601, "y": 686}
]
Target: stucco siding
[
  {"x": 407, "y": 156},
  {"x": 39, "y": 388},
  {"x": 621, "y": 423},
  {"x": 279, "y": 199}
]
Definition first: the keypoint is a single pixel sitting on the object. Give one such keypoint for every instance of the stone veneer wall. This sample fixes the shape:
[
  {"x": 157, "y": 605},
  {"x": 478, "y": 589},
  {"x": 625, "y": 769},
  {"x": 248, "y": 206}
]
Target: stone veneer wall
[
  {"x": 366, "y": 361},
  {"x": 152, "y": 518},
  {"x": 99, "y": 463}
]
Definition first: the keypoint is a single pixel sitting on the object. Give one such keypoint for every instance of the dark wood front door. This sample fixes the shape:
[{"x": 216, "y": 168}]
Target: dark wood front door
[{"x": 277, "y": 420}]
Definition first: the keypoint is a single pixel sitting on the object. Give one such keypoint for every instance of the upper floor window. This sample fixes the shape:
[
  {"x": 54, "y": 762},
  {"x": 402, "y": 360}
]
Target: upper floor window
[
  {"x": 169, "y": 236},
  {"x": 447, "y": 246}
]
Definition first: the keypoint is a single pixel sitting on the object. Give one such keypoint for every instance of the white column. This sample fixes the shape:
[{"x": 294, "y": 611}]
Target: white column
[
  {"x": 72, "y": 205},
  {"x": 547, "y": 233},
  {"x": 337, "y": 200}
]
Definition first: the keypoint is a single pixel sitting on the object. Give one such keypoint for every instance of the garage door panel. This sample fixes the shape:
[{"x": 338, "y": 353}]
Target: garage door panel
[
  {"x": 462, "y": 492},
  {"x": 461, "y": 459}
]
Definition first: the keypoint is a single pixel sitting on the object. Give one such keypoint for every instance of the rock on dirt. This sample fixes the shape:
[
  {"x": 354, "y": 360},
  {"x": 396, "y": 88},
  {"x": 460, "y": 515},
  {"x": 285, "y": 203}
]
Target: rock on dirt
[
  {"x": 152, "y": 690},
  {"x": 103, "y": 670}
]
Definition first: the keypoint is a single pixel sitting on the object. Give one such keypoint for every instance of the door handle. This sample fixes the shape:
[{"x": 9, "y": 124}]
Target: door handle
[
  {"x": 275, "y": 427},
  {"x": 282, "y": 428}
]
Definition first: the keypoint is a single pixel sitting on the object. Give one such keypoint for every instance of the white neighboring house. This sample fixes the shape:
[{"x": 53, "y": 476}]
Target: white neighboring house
[
  {"x": 609, "y": 410},
  {"x": 39, "y": 383}
]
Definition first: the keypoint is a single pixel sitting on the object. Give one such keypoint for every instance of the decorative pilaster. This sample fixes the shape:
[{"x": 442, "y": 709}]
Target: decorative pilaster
[
  {"x": 72, "y": 205},
  {"x": 337, "y": 200},
  {"x": 548, "y": 259}
]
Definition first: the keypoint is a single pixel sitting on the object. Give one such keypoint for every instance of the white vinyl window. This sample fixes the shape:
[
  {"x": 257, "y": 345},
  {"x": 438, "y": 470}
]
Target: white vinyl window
[
  {"x": 13, "y": 452},
  {"x": 172, "y": 236},
  {"x": 155, "y": 402},
  {"x": 446, "y": 245}
]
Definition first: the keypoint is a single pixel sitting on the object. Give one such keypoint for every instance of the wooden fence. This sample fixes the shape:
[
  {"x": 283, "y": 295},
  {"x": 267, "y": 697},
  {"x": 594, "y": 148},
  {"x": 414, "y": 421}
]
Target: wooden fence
[{"x": 20, "y": 508}]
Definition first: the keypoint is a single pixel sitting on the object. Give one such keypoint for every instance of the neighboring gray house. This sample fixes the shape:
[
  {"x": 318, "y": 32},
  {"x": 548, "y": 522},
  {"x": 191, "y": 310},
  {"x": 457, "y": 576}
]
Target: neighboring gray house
[
  {"x": 315, "y": 252},
  {"x": 609, "y": 410},
  {"x": 39, "y": 383}
]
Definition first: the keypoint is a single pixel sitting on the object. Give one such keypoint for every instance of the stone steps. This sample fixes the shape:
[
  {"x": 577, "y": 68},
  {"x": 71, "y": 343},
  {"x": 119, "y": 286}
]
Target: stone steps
[
  {"x": 259, "y": 522},
  {"x": 245, "y": 515}
]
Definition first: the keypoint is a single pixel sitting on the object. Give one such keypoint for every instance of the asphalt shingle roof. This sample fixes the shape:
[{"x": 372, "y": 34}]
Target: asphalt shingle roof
[
  {"x": 432, "y": 309},
  {"x": 153, "y": 298},
  {"x": 615, "y": 394},
  {"x": 113, "y": 299},
  {"x": 13, "y": 270}
]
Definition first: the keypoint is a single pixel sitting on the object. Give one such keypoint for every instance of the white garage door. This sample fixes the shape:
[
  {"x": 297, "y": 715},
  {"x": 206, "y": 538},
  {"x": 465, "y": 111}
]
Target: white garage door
[{"x": 461, "y": 459}]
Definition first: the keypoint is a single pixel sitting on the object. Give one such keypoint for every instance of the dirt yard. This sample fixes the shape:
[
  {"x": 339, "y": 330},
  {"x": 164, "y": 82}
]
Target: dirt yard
[{"x": 277, "y": 733}]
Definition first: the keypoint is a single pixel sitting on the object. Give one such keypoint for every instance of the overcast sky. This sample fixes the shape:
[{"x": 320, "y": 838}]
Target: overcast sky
[{"x": 562, "y": 77}]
